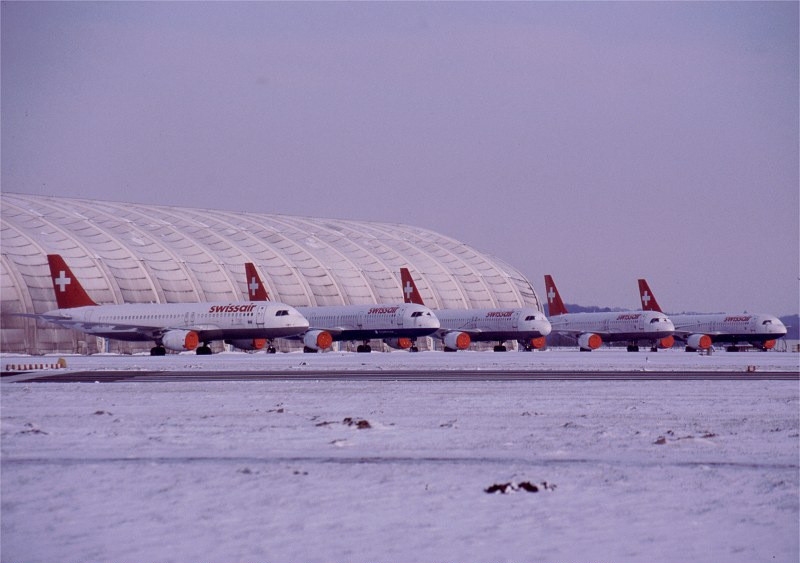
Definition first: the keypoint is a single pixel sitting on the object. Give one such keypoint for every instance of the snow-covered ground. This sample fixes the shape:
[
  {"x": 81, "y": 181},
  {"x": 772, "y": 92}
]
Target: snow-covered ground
[{"x": 397, "y": 470}]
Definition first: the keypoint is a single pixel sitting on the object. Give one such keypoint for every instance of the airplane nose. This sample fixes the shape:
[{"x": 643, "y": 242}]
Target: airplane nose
[
  {"x": 542, "y": 326},
  {"x": 777, "y": 328}
]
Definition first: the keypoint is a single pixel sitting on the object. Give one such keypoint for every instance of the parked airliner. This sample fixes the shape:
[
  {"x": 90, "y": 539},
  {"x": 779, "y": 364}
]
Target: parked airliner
[
  {"x": 398, "y": 325},
  {"x": 700, "y": 331},
  {"x": 461, "y": 327},
  {"x": 172, "y": 326},
  {"x": 592, "y": 329}
]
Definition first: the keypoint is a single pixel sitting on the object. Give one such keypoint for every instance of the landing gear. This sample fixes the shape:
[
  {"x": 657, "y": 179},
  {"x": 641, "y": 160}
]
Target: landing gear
[
  {"x": 500, "y": 348},
  {"x": 414, "y": 348},
  {"x": 654, "y": 348},
  {"x": 633, "y": 347},
  {"x": 158, "y": 351},
  {"x": 364, "y": 349},
  {"x": 271, "y": 350},
  {"x": 307, "y": 350},
  {"x": 204, "y": 350}
]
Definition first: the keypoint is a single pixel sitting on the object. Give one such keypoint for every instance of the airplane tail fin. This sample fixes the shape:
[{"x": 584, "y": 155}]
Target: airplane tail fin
[
  {"x": 255, "y": 286},
  {"x": 649, "y": 302},
  {"x": 410, "y": 293},
  {"x": 69, "y": 291},
  {"x": 555, "y": 304}
]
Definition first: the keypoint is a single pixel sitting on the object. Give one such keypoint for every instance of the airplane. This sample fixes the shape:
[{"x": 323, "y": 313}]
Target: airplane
[
  {"x": 398, "y": 325},
  {"x": 700, "y": 331},
  {"x": 461, "y": 327},
  {"x": 592, "y": 329},
  {"x": 172, "y": 326}
]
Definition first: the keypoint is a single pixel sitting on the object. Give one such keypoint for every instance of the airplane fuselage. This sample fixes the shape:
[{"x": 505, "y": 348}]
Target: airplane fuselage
[
  {"x": 211, "y": 321},
  {"x": 487, "y": 325},
  {"x": 723, "y": 327},
  {"x": 365, "y": 322},
  {"x": 615, "y": 327}
]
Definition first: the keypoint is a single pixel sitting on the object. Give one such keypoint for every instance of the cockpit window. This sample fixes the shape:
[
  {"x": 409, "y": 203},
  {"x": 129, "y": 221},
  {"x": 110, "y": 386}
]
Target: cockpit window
[
  {"x": 656, "y": 320},
  {"x": 282, "y": 313},
  {"x": 767, "y": 322},
  {"x": 416, "y": 314},
  {"x": 530, "y": 318}
]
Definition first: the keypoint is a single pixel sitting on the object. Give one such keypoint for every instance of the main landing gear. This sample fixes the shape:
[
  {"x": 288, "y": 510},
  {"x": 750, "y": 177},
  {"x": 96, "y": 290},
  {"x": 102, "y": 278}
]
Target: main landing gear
[
  {"x": 364, "y": 348},
  {"x": 159, "y": 350},
  {"x": 500, "y": 348}
]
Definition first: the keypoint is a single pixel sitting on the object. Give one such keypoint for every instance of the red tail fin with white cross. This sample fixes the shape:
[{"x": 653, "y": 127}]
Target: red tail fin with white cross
[
  {"x": 649, "y": 302},
  {"x": 255, "y": 287},
  {"x": 69, "y": 291},
  {"x": 555, "y": 305},
  {"x": 410, "y": 293}
]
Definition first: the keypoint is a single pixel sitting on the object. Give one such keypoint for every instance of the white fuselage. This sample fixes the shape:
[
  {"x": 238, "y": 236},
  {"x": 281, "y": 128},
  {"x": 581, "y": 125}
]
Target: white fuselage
[
  {"x": 723, "y": 327},
  {"x": 615, "y": 327},
  {"x": 487, "y": 325},
  {"x": 211, "y": 321},
  {"x": 364, "y": 322}
]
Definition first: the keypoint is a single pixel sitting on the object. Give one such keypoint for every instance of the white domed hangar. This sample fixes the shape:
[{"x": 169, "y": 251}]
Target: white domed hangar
[{"x": 137, "y": 253}]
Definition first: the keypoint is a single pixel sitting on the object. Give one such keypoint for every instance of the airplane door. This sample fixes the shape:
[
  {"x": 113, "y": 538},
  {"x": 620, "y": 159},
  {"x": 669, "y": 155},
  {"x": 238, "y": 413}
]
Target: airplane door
[
  {"x": 261, "y": 314},
  {"x": 360, "y": 319},
  {"x": 399, "y": 316},
  {"x": 188, "y": 318},
  {"x": 515, "y": 319}
]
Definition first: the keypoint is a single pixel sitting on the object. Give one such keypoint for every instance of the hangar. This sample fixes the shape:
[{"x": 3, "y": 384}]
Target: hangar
[{"x": 138, "y": 253}]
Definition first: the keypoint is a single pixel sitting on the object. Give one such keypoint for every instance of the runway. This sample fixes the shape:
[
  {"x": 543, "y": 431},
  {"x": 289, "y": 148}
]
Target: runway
[
  {"x": 100, "y": 376},
  {"x": 553, "y": 365}
]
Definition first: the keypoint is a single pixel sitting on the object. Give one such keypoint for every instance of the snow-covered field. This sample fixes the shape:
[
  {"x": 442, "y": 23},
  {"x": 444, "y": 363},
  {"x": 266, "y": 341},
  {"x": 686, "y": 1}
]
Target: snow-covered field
[{"x": 397, "y": 470}]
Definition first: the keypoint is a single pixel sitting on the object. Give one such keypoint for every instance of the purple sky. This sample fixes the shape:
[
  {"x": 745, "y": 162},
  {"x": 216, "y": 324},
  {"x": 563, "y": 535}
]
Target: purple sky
[{"x": 597, "y": 142}]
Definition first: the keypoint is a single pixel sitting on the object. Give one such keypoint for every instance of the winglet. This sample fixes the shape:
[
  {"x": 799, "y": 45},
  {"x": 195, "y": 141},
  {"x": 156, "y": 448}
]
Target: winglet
[
  {"x": 69, "y": 291},
  {"x": 410, "y": 293},
  {"x": 555, "y": 305},
  {"x": 255, "y": 287},
  {"x": 649, "y": 302}
]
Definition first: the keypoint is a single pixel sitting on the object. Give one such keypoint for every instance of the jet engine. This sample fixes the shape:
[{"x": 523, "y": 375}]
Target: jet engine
[
  {"x": 456, "y": 341},
  {"x": 399, "y": 343},
  {"x": 317, "y": 339},
  {"x": 249, "y": 345},
  {"x": 766, "y": 345},
  {"x": 538, "y": 343},
  {"x": 667, "y": 342},
  {"x": 589, "y": 341},
  {"x": 698, "y": 342},
  {"x": 180, "y": 340}
]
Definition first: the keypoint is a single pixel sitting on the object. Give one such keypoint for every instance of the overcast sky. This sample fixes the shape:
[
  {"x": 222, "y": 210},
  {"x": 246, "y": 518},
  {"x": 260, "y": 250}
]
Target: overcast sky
[{"x": 597, "y": 142}]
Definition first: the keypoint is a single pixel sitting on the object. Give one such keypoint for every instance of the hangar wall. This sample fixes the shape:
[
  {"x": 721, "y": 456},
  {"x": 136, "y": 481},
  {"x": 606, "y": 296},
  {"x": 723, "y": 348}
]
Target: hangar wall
[{"x": 137, "y": 253}]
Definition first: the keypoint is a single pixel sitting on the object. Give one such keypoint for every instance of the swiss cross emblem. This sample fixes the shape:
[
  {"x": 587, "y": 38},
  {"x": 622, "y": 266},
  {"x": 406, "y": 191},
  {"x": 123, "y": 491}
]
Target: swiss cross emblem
[
  {"x": 408, "y": 290},
  {"x": 62, "y": 281}
]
